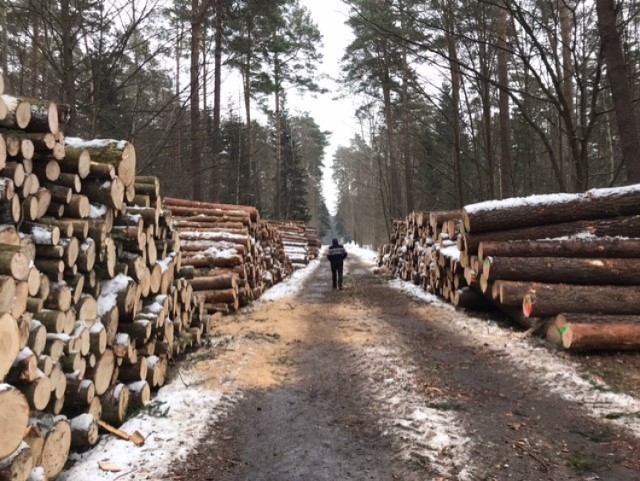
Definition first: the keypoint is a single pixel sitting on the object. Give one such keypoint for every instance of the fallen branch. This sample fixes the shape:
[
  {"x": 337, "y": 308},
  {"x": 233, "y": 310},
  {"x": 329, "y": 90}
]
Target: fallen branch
[{"x": 136, "y": 438}]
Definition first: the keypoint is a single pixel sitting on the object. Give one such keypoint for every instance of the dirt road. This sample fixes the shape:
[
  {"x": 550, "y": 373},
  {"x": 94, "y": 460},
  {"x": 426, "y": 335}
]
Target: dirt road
[{"x": 372, "y": 384}]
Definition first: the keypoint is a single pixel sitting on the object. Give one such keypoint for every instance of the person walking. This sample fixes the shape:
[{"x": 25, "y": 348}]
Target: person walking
[{"x": 336, "y": 257}]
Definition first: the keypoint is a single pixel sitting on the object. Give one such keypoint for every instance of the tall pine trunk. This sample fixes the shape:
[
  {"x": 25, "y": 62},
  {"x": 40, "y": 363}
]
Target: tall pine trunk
[
  {"x": 217, "y": 85},
  {"x": 277, "y": 204},
  {"x": 68, "y": 70},
  {"x": 35, "y": 55},
  {"x": 396, "y": 195},
  {"x": 4, "y": 38},
  {"x": 455, "y": 108},
  {"x": 617, "y": 70},
  {"x": 197, "y": 174},
  {"x": 406, "y": 140},
  {"x": 506, "y": 174}
]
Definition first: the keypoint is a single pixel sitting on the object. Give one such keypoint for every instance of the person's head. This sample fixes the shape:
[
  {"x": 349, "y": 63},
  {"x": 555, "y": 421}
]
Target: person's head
[{"x": 334, "y": 242}]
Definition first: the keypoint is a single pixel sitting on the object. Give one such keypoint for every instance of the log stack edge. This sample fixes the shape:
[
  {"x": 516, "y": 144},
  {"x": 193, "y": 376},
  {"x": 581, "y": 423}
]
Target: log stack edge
[{"x": 564, "y": 265}]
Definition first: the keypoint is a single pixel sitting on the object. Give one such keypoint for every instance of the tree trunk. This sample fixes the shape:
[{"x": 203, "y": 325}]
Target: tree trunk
[
  {"x": 217, "y": 86},
  {"x": 406, "y": 143},
  {"x": 455, "y": 106},
  {"x": 583, "y": 248},
  {"x": 278, "y": 201},
  {"x": 68, "y": 71},
  {"x": 506, "y": 174},
  {"x": 562, "y": 269},
  {"x": 547, "y": 300},
  {"x": 618, "y": 226},
  {"x": 197, "y": 171},
  {"x": 392, "y": 171},
  {"x": 620, "y": 88},
  {"x": 541, "y": 210}
]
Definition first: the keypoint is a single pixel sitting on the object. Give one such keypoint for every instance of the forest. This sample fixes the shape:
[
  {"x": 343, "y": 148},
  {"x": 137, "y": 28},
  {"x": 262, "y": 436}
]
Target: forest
[{"x": 462, "y": 100}]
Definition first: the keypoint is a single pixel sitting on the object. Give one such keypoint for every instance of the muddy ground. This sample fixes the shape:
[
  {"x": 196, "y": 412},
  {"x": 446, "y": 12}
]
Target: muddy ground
[{"x": 370, "y": 383}]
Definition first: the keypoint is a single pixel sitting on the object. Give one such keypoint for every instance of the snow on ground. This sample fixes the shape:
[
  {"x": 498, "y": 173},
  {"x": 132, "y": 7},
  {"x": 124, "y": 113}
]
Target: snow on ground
[
  {"x": 291, "y": 285},
  {"x": 422, "y": 432},
  {"x": 364, "y": 252},
  {"x": 177, "y": 420},
  {"x": 545, "y": 367},
  {"x": 180, "y": 415},
  {"x": 420, "y": 293}
]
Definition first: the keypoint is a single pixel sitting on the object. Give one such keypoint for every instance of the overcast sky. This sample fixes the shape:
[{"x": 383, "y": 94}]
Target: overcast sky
[
  {"x": 333, "y": 111},
  {"x": 330, "y": 112}
]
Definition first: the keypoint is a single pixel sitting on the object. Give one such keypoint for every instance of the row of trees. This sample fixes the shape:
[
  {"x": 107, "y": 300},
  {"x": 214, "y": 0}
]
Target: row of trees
[
  {"x": 151, "y": 72},
  {"x": 469, "y": 100}
]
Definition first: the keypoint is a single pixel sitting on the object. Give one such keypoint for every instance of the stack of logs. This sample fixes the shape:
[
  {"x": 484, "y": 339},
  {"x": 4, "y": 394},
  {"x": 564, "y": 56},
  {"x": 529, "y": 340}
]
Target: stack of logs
[
  {"x": 313, "y": 242},
  {"x": 563, "y": 264},
  {"x": 90, "y": 307},
  {"x": 295, "y": 241},
  {"x": 229, "y": 255}
]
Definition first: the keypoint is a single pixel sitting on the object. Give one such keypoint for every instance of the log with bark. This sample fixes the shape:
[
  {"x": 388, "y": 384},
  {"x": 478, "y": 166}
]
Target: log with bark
[
  {"x": 545, "y": 300},
  {"x": 551, "y": 209},
  {"x": 563, "y": 270},
  {"x": 590, "y": 332}
]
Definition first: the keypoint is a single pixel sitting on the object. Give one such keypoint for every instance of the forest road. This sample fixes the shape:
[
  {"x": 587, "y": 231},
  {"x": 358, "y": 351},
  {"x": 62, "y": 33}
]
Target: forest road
[{"x": 369, "y": 383}]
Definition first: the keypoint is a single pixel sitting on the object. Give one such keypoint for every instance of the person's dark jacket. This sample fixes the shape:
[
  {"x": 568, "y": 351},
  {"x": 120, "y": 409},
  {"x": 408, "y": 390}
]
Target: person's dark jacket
[{"x": 336, "y": 254}]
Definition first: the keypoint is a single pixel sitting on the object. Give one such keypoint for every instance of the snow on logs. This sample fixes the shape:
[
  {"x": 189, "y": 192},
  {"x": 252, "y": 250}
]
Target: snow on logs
[
  {"x": 91, "y": 308},
  {"x": 296, "y": 243},
  {"x": 229, "y": 255},
  {"x": 93, "y": 297},
  {"x": 565, "y": 261}
]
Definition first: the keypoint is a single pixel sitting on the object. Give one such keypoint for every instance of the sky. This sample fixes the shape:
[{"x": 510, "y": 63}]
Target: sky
[{"x": 333, "y": 111}]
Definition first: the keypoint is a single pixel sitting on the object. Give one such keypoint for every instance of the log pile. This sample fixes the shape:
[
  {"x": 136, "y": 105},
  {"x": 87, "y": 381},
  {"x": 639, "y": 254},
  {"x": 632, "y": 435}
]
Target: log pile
[
  {"x": 91, "y": 309},
  {"x": 565, "y": 264},
  {"x": 295, "y": 241},
  {"x": 94, "y": 296},
  {"x": 313, "y": 242},
  {"x": 229, "y": 255}
]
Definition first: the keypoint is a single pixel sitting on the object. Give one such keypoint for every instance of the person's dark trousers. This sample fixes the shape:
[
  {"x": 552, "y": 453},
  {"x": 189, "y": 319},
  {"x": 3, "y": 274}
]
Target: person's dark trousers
[{"x": 336, "y": 276}]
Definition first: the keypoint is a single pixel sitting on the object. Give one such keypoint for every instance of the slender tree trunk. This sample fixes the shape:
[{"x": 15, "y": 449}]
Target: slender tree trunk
[
  {"x": 278, "y": 134},
  {"x": 4, "y": 43},
  {"x": 455, "y": 108},
  {"x": 251, "y": 158},
  {"x": 406, "y": 140},
  {"x": 506, "y": 174},
  {"x": 35, "y": 55},
  {"x": 205, "y": 140},
  {"x": 178, "y": 107},
  {"x": 217, "y": 86},
  {"x": 485, "y": 92},
  {"x": 396, "y": 195},
  {"x": 68, "y": 70},
  {"x": 570, "y": 143},
  {"x": 197, "y": 174},
  {"x": 620, "y": 88}
]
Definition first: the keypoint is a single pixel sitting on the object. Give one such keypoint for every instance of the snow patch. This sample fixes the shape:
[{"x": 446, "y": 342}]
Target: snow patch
[
  {"x": 181, "y": 417},
  {"x": 289, "y": 287},
  {"x": 545, "y": 368},
  {"x": 420, "y": 293},
  {"x": 97, "y": 211},
  {"x": 419, "y": 432},
  {"x": 82, "y": 422},
  {"x": 547, "y": 199},
  {"x": 76, "y": 142}
]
